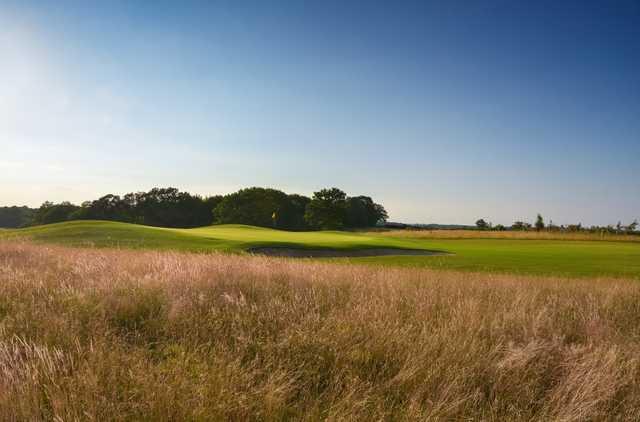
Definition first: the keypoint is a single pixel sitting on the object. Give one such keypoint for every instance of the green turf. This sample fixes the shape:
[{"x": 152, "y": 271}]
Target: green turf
[
  {"x": 545, "y": 257},
  {"x": 549, "y": 257},
  {"x": 223, "y": 237}
]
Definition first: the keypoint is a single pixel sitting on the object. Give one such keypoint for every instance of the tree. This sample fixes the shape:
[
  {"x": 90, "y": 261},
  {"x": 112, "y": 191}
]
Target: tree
[
  {"x": 54, "y": 213},
  {"x": 520, "y": 225},
  {"x": 380, "y": 215},
  {"x": 539, "y": 223},
  {"x": 291, "y": 213},
  {"x": 211, "y": 203},
  {"x": 327, "y": 209},
  {"x": 168, "y": 207},
  {"x": 632, "y": 227},
  {"x": 108, "y": 207},
  {"x": 575, "y": 227},
  {"x": 253, "y": 206},
  {"x": 363, "y": 212},
  {"x": 481, "y": 224},
  {"x": 13, "y": 217}
]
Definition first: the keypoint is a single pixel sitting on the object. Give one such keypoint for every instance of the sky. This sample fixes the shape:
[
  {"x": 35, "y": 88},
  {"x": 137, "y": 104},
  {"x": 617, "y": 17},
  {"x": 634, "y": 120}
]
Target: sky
[{"x": 443, "y": 111}]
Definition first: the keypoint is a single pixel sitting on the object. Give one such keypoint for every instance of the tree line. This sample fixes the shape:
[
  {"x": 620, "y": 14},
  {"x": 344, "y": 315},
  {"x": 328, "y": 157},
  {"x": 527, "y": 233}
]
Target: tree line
[
  {"x": 327, "y": 209},
  {"x": 540, "y": 225},
  {"x": 12, "y": 217}
]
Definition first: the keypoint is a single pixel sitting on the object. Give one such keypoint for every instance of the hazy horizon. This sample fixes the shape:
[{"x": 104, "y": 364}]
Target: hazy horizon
[{"x": 445, "y": 112}]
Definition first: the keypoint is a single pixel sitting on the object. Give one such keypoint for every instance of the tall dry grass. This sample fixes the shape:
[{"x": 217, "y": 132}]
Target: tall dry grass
[
  {"x": 124, "y": 335},
  {"x": 514, "y": 235}
]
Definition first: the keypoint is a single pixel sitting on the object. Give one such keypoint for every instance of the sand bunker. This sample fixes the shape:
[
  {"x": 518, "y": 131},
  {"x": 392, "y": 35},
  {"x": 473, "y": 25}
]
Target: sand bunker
[{"x": 338, "y": 253}]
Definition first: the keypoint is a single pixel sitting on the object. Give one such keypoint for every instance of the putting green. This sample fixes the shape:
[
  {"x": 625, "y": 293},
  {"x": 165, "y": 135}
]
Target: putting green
[{"x": 547, "y": 257}]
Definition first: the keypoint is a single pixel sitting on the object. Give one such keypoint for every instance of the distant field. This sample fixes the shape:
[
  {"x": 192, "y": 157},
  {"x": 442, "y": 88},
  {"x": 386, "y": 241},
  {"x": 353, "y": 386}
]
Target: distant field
[
  {"x": 515, "y": 235},
  {"x": 583, "y": 258},
  {"x": 123, "y": 335}
]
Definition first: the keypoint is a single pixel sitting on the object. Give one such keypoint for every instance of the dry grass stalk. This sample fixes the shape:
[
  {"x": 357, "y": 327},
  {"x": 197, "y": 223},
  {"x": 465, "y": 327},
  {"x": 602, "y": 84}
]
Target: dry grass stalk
[{"x": 125, "y": 335}]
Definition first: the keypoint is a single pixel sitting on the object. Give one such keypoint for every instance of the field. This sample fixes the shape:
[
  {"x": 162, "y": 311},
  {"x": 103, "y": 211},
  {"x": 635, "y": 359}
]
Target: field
[
  {"x": 113, "y": 321},
  {"x": 100, "y": 334},
  {"x": 514, "y": 235},
  {"x": 539, "y": 256}
]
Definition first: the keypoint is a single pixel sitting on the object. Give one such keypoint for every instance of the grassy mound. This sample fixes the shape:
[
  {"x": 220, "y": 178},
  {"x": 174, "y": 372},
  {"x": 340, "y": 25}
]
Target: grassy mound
[{"x": 231, "y": 237}]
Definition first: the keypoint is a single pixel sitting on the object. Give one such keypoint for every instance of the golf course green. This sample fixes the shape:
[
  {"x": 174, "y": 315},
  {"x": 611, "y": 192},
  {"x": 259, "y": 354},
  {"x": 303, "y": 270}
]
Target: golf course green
[{"x": 543, "y": 257}]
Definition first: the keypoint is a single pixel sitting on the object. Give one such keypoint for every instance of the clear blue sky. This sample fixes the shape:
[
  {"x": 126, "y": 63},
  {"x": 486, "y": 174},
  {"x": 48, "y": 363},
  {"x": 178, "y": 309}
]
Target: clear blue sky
[{"x": 444, "y": 111}]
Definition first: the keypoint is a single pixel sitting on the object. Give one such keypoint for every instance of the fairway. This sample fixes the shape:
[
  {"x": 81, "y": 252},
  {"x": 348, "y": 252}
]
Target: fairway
[{"x": 551, "y": 257}]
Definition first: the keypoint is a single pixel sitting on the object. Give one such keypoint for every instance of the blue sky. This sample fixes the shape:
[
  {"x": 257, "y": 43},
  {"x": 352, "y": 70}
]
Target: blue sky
[{"x": 444, "y": 111}]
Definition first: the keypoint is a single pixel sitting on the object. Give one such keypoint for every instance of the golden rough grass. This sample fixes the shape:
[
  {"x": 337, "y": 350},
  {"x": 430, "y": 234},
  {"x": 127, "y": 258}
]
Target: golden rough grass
[
  {"x": 128, "y": 335},
  {"x": 514, "y": 235}
]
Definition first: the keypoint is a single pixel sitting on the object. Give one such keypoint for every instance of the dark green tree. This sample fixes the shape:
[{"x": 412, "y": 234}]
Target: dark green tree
[
  {"x": 539, "y": 223},
  {"x": 327, "y": 209},
  {"x": 13, "y": 217},
  {"x": 54, "y": 213},
  {"x": 211, "y": 203},
  {"x": 520, "y": 225},
  {"x": 291, "y": 214},
  {"x": 363, "y": 212},
  {"x": 170, "y": 207},
  {"x": 253, "y": 206},
  {"x": 481, "y": 224},
  {"x": 108, "y": 207}
]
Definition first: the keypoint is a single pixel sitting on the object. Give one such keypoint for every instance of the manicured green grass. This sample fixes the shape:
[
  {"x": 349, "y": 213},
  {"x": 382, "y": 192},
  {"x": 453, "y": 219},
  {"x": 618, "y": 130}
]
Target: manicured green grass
[
  {"x": 553, "y": 257},
  {"x": 544, "y": 257},
  {"x": 224, "y": 237}
]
